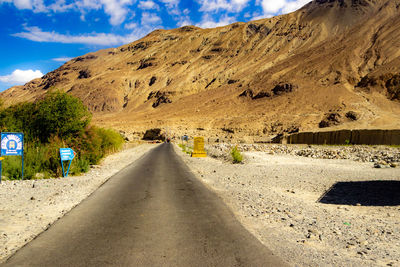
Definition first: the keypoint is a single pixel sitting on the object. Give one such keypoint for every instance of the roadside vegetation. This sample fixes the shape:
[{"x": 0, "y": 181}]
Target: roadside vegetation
[
  {"x": 186, "y": 149},
  {"x": 237, "y": 157},
  {"x": 57, "y": 121}
]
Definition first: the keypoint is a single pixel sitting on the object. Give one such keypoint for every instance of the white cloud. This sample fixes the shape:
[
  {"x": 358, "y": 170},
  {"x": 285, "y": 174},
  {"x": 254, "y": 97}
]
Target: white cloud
[
  {"x": 170, "y": 3},
  {"x": 184, "y": 22},
  {"x": 21, "y": 76},
  {"x": 148, "y": 5},
  {"x": 281, "y": 6},
  {"x": 294, "y": 5},
  {"x": 60, "y": 6},
  {"x": 117, "y": 10},
  {"x": 228, "y": 5},
  {"x": 130, "y": 26},
  {"x": 104, "y": 39},
  {"x": 150, "y": 19},
  {"x": 62, "y": 59},
  {"x": 208, "y": 22},
  {"x": 34, "y": 5}
]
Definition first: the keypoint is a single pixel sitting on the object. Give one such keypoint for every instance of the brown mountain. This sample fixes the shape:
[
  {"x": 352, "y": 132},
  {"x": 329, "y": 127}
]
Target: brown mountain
[{"x": 332, "y": 64}]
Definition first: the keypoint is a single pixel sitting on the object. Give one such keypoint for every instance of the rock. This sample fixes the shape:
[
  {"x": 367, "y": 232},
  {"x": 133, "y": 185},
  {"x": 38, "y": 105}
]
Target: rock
[
  {"x": 377, "y": 166},
  {"x": 84, "y": 74},
  {"x": 32, "y": 198},
  {"x": 351, "y": 115}
]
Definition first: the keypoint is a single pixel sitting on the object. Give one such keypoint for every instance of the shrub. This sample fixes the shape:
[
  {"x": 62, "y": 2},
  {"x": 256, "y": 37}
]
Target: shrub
[
  {"x": 62, "y": 115},
  {"x": 237, "y": 157},
  {"x": 57, "y": 121}
]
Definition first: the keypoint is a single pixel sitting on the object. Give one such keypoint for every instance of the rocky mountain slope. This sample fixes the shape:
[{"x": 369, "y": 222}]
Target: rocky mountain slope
[{"x": 331, "y": 64}]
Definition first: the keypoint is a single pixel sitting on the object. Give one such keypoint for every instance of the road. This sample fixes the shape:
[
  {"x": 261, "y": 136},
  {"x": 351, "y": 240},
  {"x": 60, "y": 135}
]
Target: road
[{"x": 153, "y": 213}]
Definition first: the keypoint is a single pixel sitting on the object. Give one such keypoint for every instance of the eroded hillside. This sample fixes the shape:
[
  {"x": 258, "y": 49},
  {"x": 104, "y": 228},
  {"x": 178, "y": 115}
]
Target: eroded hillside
[{"x": 301, "y": 71}]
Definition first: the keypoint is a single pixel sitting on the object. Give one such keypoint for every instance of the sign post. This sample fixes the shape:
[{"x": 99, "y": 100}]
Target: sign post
[
  {"x": 66, "y": 154},
  {"x": 0, "y": 167},
  {"x": 12, "y": 144},
  {"x": 198, "y": 149}
]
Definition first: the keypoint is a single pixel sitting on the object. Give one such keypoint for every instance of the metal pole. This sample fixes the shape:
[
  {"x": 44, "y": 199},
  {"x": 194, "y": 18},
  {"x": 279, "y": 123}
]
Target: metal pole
[
  {"x": 0, "y": 164},
  {"x": 22, "y": 156},
  {"x": 69, "y": 167},
  {"x": 62, "y": 165}
]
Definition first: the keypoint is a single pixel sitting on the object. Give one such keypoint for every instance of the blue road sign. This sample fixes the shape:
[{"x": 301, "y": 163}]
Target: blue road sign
[
  {"x": 66, "y": 154},
  {"x": 12, "y": 144}
]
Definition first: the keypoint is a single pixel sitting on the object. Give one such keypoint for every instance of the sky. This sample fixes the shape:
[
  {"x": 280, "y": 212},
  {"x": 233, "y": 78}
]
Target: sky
[{"x": 38, "y": 36}]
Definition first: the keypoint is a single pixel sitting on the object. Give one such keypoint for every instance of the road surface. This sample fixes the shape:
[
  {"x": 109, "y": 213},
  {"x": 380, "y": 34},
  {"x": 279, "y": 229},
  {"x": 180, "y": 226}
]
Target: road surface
[{"x": 152, "y": 213}]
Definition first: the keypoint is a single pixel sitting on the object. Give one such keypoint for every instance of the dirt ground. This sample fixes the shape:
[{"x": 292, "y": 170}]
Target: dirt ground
[{"x": 312, "y": 212}]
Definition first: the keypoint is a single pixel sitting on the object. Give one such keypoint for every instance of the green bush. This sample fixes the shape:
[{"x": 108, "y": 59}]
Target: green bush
[
  {"x": 62, "y": 115},
  {"x": 237, "y": 157},
  {"x": 57, "y": 121}
]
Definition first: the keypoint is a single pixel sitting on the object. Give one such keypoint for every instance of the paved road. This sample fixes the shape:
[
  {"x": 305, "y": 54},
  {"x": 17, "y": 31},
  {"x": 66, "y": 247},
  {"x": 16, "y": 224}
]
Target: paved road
[{"x": 152, "y": 213}]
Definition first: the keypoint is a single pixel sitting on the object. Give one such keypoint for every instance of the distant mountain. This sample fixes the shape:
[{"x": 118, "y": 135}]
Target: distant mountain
[{"x": 331, "y": 64}]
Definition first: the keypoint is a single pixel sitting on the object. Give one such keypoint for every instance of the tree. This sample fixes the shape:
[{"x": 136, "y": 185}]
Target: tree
[{"x": 61, "y": 114}]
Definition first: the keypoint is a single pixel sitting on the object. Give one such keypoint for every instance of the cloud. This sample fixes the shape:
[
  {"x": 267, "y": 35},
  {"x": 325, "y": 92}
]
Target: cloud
[
  {"x": 281, "y": 6},
  {"x": 294, "y": 5},
  {"x": 217, "y": 5},
  {"x": 18, "y": 77},
  {"x": 130, "y": 26},
  {"x": 170, "y": 3},
  {"x": 34, "y": 5},
  {"x": 148, "y": 5},
  {"x": 104, "y": 39},
  {"x": 150, "y": 19},
  {"x": 117, "y": 10},
  {"x": 62, "y": 59},
  {"x": 208, "y": 22}
]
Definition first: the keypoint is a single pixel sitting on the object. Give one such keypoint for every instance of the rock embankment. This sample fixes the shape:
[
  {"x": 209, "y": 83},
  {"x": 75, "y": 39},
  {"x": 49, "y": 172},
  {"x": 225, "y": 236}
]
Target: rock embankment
[{"x": 29, "y": 207}]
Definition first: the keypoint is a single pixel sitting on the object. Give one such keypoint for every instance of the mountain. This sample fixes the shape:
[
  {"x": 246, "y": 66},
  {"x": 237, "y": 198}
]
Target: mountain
[{"x": 333, "y": 64}]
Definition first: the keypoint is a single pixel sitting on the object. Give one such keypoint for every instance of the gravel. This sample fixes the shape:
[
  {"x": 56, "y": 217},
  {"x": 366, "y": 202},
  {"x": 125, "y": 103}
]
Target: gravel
[
  {"x": 310, "y": 209},
  {"x": 29, "y": 207}
]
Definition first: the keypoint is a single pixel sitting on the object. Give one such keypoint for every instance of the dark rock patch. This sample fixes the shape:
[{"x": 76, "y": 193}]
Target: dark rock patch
[
  {"x": 393, "y": 87},
  {"x": 160, "y": 98},
  {"x": 351, "y": 115},
  {"x": 283, "y": 88},
  {"x": 88, "y": 57},
  {"x": 212, "y": 81},
  {"x": 84, "y": 74},
  {"x": 145, "y": 63},
  {"x": 217, "y": 50},
  {"x": 390, "y": 82},
  {"x": 261, "y": 95},
  {"x": 183, "y": 62},
  {"x": 152, "y": 80},
  {"x": 232, "y": 81},
  {"x": 331, "y": 119},
  {"x": 207, "y": 57},
  {"x": 228, "y": 130},
  {"x": 187, "y": 29},
  {"x": 257, "y": 29},
  {"x": 153, "y": 134},
  {"x": 247, "y": 93}
]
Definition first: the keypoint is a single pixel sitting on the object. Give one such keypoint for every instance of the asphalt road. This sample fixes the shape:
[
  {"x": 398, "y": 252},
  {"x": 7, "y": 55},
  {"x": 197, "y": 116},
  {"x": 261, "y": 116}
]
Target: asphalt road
[{"x": 152, "y": 213}]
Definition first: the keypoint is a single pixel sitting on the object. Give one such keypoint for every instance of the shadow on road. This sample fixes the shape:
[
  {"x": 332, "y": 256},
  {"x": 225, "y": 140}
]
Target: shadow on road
[{"x": 364, "y": 193}]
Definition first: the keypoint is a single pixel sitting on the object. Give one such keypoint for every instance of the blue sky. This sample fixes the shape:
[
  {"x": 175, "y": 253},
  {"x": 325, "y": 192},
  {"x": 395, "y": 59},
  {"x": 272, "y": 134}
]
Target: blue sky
[{"x": 38, "y": 36}]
